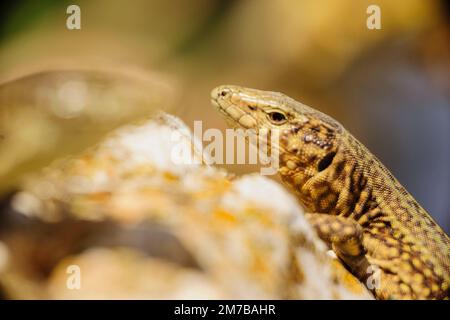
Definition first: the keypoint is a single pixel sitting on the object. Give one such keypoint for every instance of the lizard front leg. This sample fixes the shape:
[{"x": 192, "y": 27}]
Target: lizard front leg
[{"x": 345, "y": 237}]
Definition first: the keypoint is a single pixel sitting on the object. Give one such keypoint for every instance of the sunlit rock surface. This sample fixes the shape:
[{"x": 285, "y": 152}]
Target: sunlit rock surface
[{"x": 142, "y": 218}]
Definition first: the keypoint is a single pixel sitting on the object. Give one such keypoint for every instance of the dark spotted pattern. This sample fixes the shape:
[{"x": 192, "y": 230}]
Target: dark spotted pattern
[{"x": 400, "y": 238}]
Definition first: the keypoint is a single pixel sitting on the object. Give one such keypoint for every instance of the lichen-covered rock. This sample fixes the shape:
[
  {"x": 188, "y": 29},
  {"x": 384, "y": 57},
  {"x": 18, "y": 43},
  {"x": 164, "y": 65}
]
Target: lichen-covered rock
[{"x": 139, "y": 224}]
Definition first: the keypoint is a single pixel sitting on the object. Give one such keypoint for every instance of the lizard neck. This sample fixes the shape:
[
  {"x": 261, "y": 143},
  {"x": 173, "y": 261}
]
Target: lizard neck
[{"x": 341, "y": 189}]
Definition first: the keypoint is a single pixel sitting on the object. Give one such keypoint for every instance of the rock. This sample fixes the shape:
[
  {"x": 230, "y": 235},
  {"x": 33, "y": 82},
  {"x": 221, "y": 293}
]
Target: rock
[{"x": 140, "y": 225}]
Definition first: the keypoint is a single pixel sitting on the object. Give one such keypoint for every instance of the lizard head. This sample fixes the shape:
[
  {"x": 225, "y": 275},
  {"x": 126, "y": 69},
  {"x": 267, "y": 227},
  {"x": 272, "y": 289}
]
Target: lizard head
[
  {"x": 309, "y": 139},
  {"x": 251, "y": 108}
]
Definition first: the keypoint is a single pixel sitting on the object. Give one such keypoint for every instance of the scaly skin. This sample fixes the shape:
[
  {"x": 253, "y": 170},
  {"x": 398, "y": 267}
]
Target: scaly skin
[{"x": 357, "y": 206}]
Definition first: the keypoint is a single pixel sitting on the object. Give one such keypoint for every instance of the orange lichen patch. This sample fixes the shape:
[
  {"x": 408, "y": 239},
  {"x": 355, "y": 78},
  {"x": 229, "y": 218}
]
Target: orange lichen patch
[
  {"x": 211, "y": 188},
  {"x": 263, "y": 271},
  {"x": 224, "y": 215},
  {"x": 265, "y": 219},
  {"x": 224, "y": 184},
  {"x": 170, "y": 176},
  {"x": 259, "y": 264},
  {"x": 132, "y": 207}
]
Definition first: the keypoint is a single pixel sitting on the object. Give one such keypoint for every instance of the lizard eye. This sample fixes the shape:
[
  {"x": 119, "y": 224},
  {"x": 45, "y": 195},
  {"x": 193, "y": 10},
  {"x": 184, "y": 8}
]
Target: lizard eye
[
  {"x": 224, "y": 93},
  {"x": 277, "y": 117}
]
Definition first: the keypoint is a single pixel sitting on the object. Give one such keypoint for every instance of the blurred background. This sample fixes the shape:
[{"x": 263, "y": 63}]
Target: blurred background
[{"x": 389, "y": 87}]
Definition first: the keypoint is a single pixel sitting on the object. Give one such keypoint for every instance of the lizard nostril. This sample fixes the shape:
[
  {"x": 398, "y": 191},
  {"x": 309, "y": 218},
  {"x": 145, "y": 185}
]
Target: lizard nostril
[{"x": 224, "y": 92}]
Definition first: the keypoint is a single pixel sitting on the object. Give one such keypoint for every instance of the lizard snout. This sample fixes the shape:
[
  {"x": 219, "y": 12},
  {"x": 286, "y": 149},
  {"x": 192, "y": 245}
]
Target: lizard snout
[{"x": 220, "y": 92}]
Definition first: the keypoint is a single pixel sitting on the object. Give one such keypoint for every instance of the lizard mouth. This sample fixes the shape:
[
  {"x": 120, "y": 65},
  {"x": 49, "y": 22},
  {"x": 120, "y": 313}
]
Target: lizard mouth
[
  {"x": 216, "y": 104},
  {"x": 215, "y": 99},
  {"x": 218, "y": 100},
  {"x": 219, "y": 108}
]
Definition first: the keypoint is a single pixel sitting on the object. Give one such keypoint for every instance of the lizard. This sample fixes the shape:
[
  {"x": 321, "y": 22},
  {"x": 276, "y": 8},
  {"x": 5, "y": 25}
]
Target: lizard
[{"x": 372, "y": 223}]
